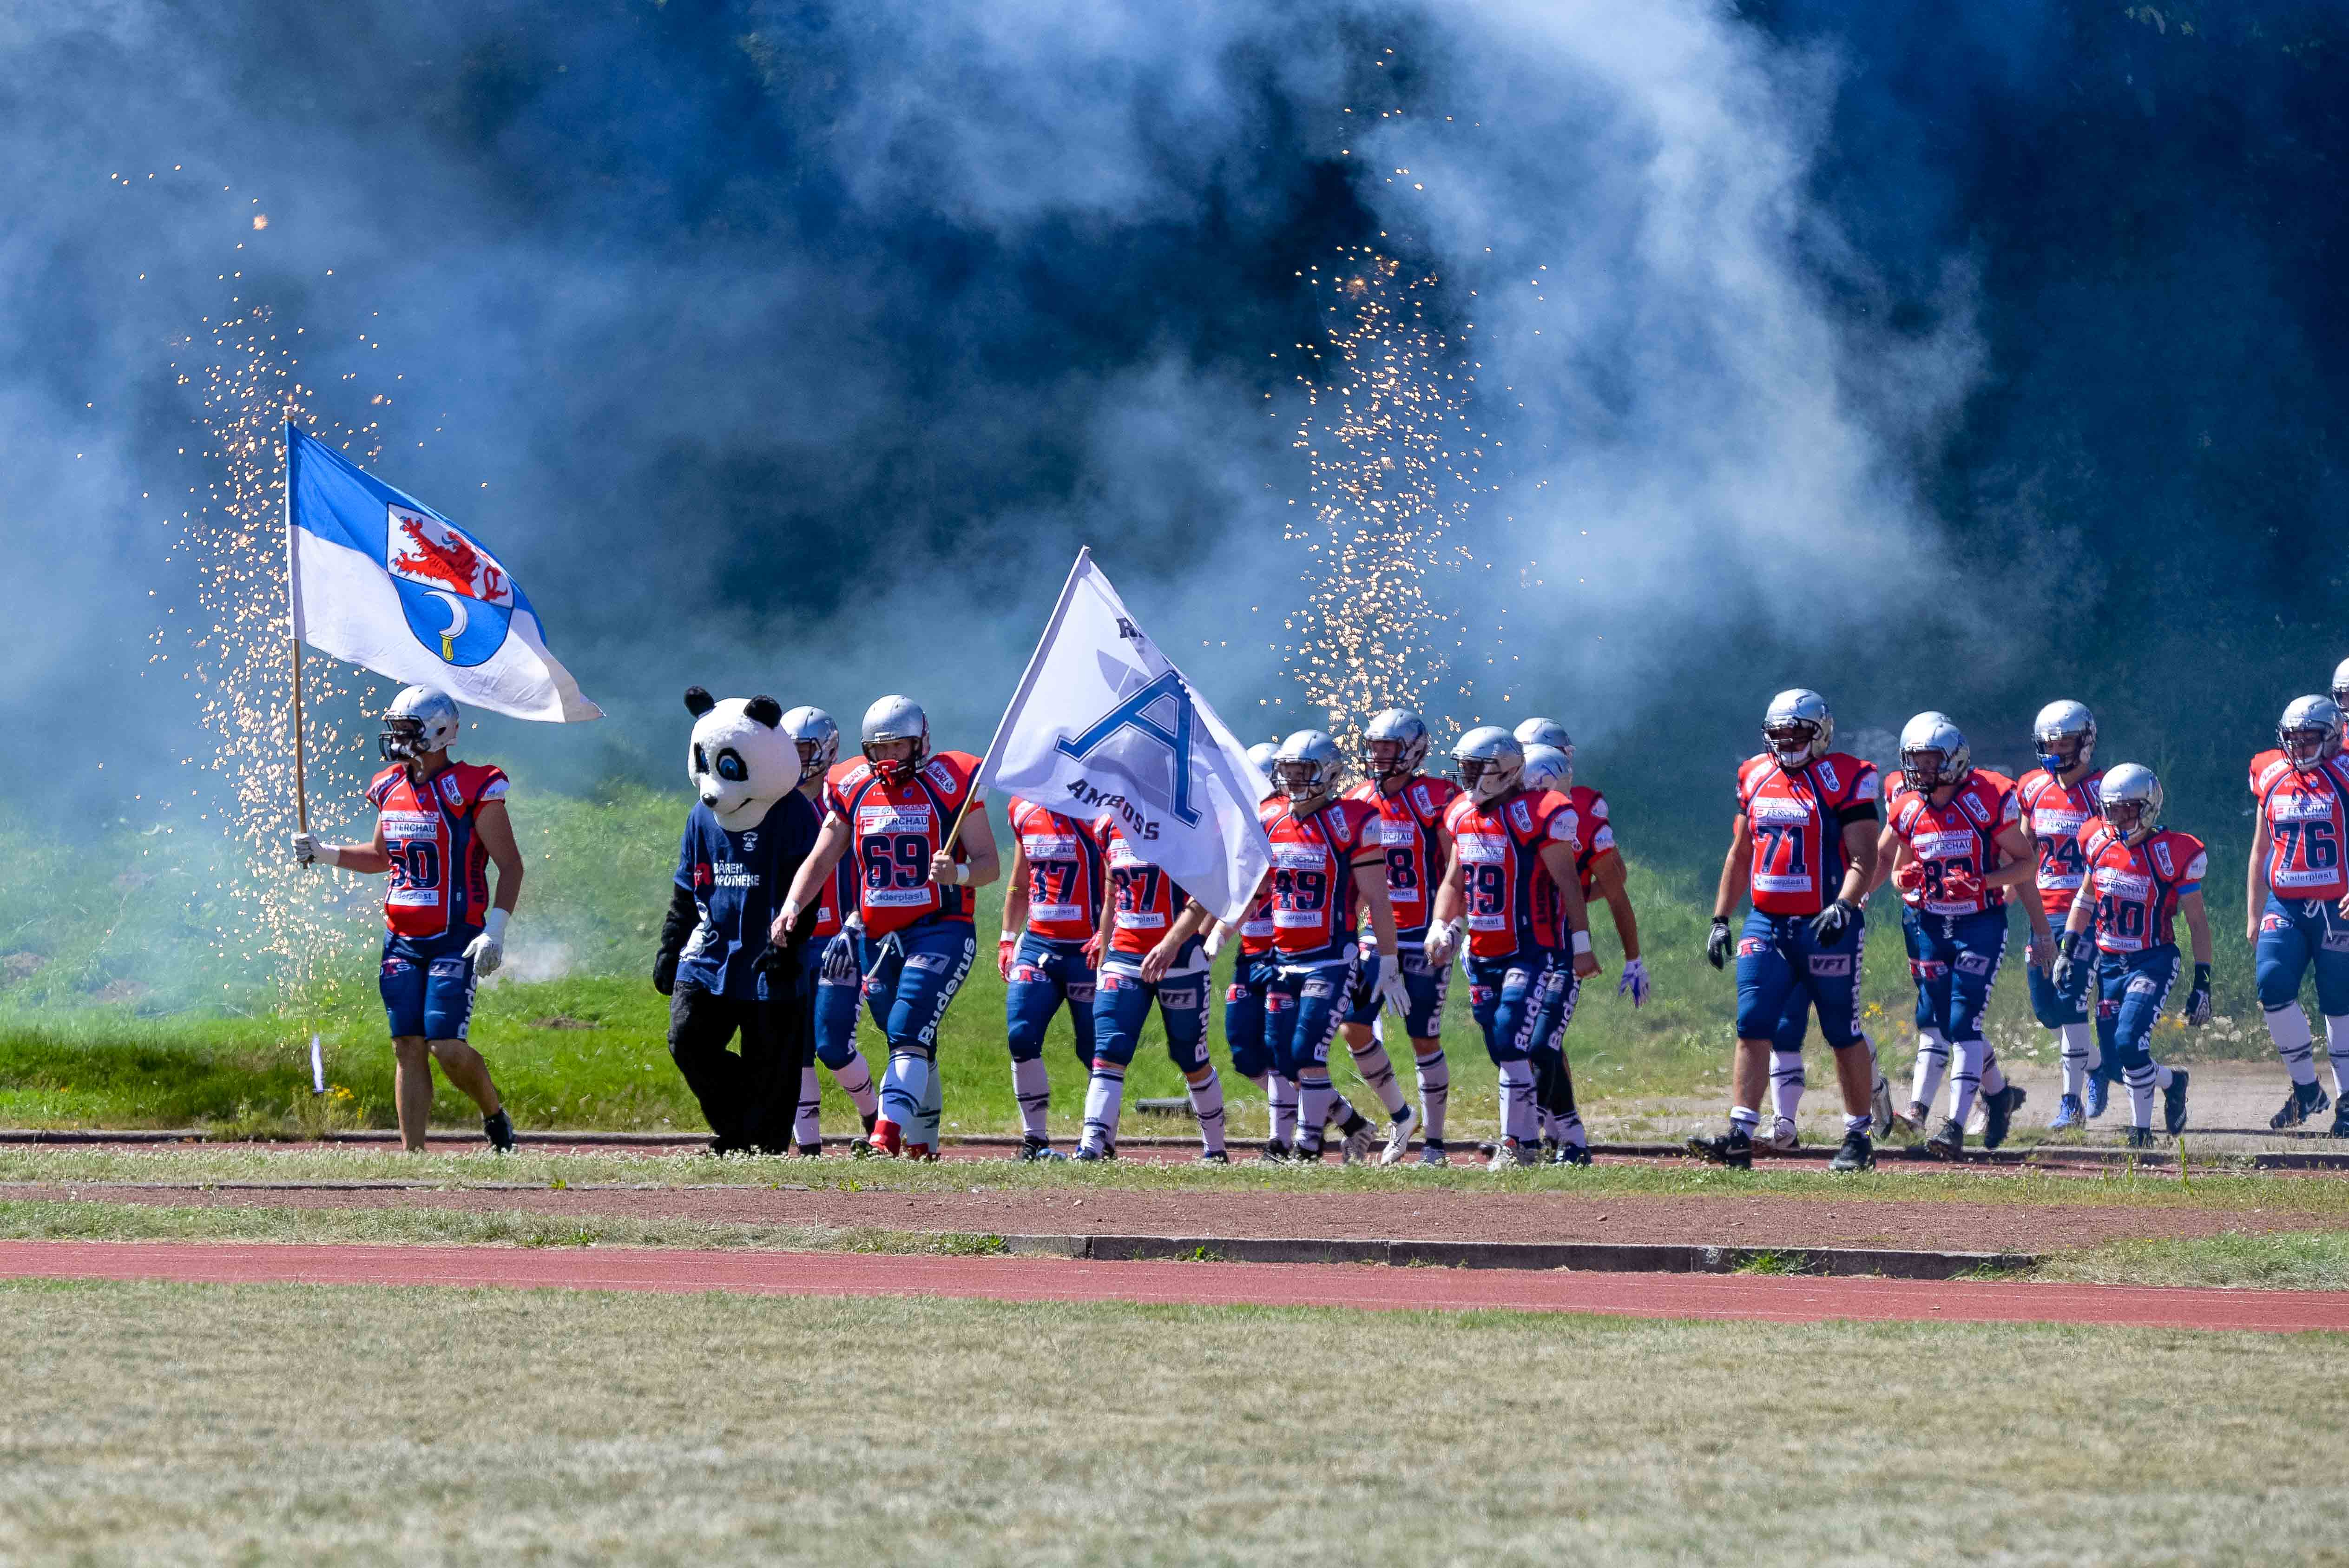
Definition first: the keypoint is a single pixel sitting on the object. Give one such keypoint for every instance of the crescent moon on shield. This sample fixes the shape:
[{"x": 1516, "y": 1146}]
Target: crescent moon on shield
[{"x": 458, "y": 618}]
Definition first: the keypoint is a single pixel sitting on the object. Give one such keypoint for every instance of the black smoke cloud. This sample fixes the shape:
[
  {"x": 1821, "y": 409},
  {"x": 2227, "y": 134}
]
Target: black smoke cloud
[{"x": 1925, "y": 358}]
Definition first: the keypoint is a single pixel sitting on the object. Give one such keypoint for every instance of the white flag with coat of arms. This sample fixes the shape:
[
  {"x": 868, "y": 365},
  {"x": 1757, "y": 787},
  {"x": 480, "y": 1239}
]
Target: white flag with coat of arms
[
  {"x": 1104, "y": 723},
  {"x": 384, "y": 581}
]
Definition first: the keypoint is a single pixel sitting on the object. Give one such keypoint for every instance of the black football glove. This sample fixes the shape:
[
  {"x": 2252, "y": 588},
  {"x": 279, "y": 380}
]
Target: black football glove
[
  {"x": 775, "y": 965},
  {"x": 1829, "y": 924},
  {"x": 2198, "y": 1001},
  {"x": 665, "y": 972},
  {"x": 1717, "y": 944}
]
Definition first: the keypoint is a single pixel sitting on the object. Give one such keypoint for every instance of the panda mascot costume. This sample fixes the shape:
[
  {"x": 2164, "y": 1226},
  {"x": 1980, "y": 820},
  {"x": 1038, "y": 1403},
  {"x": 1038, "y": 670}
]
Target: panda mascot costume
[{"x": 744, "y": 838}]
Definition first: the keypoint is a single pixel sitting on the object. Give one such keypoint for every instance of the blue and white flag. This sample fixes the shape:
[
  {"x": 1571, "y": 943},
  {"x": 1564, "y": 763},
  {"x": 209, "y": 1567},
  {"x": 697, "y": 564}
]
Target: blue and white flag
[
  {"x": 384, "y": 581},
  {"x": 1103, "y": 722}
]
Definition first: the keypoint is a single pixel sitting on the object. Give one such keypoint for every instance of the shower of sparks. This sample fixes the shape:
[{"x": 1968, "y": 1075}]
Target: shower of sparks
[
  {"x": 1389, "y": 439},
  {"x": 281, "y": 923}
]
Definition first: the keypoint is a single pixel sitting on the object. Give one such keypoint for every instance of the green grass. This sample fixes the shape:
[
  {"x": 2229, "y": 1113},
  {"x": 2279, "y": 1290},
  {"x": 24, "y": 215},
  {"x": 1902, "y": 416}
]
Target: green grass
[
  {"x": 291, "y": 1424},
  {"x": 198, "y": 1034},
  {"x": 2322, "y": 1201},
  {"x": 2310, "y": 1261}
]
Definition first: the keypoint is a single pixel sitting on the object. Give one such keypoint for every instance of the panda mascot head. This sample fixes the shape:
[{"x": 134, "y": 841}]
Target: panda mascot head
[{"x": 740, "y": 761}]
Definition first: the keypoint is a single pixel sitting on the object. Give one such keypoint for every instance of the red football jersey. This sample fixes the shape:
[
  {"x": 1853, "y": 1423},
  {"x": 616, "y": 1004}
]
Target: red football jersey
[
  {"x": 2056, "y": 814},
  {"x": 1959, "y": 835},
  {"x": 1410, "y": 822},
  {"x": 897, "y": 828},
  {"x": 1148, "y": 902},
  {"x": 1064, "y": 872},
  {"x": 839, "y": 893},
  {"x": 2305, "y": 824},
  {"x": 439, "y": 865},
  {"x": 2137, "y": 889},
  {"x": 1597, "y": 833},
  {"x": 1314, "y": 902},
  {"x": 1511, "y": 900},
  {"x": 1797, "y": 821},
  {"x": 1255, "y": 930}
]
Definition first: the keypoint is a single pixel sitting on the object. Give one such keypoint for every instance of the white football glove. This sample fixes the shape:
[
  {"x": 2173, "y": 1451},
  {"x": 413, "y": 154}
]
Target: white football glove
[
  {"x": 840, "y": 960},
  {"x": 1441, "y": 938},
  {"x": 1634, "y": 982},
  {"x": 488, "y": 951},
  {"x": 1393, "y": 994},
  {"x": 1216, "y": 934},
  {"x": 306, "y": 849}
]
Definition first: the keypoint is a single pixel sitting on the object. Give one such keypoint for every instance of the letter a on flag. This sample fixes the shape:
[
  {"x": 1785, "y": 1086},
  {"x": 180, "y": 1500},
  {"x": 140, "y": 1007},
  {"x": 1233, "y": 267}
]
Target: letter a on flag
[
  {"x": 1105, "y": 725},
  {"x": 384, "y": 581}
]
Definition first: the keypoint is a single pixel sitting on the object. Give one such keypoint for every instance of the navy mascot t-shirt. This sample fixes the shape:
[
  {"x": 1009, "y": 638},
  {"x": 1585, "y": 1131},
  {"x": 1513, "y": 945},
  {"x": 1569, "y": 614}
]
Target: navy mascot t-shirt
[{"x": 737, "y": 879}]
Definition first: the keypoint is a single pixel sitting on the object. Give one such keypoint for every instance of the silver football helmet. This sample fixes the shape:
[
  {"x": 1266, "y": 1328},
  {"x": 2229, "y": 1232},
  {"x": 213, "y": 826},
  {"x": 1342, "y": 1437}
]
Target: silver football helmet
[
  {"x": 1797, "y": 727},
  {"x": 897, "y": 719},
  {"x": 1403, "y": 728},
  {"x": 1490, "y": 761},
  {"x": 1544, "y": 732},
  {"x": 2066, "y": 734},
  {"x": 2132, "y": 801},
  {"x": 1306, "y": 768},
  {"x": 2308, "y": 734},
  {"x": 1547, "y": 767},
  {"x": 1933, "y": 752},
  {"x": 1261, "y": 757},
  {"x": 2340, "y": 684},
  {"x": 817, "y": 737},
  {"x": 419, "y": 720}
]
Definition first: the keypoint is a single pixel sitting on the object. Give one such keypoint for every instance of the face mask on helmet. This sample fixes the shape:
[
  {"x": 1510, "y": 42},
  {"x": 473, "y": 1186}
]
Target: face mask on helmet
[
  {"x": 1298, "y": 780},
  {"x": 2305, "y": 748},
  {"x": 1487, "y": 779},
  {"x": 1926, "y": 771},
  {"x": 2128, "y": 818},
  {"x": 1791, "y": 742},
  {"x": 1384, "y": 759},
  {"x": 402, "y": 738},
  {"x": 2059, "y": 750}
]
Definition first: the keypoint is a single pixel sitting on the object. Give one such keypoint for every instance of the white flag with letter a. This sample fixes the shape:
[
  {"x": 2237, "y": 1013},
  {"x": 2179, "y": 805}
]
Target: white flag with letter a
[{"x": 1103, "y": 722}]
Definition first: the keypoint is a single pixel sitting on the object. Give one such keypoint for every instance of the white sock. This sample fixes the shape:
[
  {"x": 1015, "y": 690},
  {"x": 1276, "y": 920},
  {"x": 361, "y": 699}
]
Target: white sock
[
  {"x": 1105, "y": 1099},
  {"x": 2140, "y": 1089},
  {"x": 904, "y": 1087},
  {"x": 1965, "y": 1077},
  {"x": 1207, "y": 1105},
  {"x": 2161, "y": 1076},
  {"x": 1932, "y": 1060},
  {"x": 1434, "y": 1094},
  {"x": 1994, "y": 1080},
  {"x": 1341, "y": 1110},
  {"x": 807, "y": 1127},
  {"x": 1315, "y": 1103},
  {"x": 1787, "y": 1085},
  {"x": 2336, "y": 1047},
  {"x": 1378, "y": 1071},
  {"x": 1876, "y": 1080},
  {"x": 1032, "y": 1086},
  {"x": 1517, "y": 1119},
  {"x": 2287, "y": 1027},
  {"x": 2075, "y": 1049},
  {"x": 856, "y": 1081},
  {"x": 1281, "y": 1093},
  {"x": 934, "y": 1104}
]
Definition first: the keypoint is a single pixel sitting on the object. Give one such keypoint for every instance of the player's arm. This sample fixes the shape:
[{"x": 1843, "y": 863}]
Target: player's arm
[
  {"x": 1015, "y": 907},
  {"x": 2020, "y": 865},
  {"x": 496, "y": 828},
  {"x": 1888, "y": 859},
  {"x": 1443, "y": 913},
  {"x": 1736, "y": 868},
  {"x": 2198, "y": 924},
  {"x": 1370, "y": 881},
  {"x": 2255, "y": 890},
  {"x": 1613, "y": 886},
  {"x": 1161, "y": 958},
  {"x": 370, "y": 858},
  {"x": 807, "y": 882},
  {"x": 1860, "y": 834},
  {"x": 1557, "y": 859},
  {"x": 980, "y": 865}
]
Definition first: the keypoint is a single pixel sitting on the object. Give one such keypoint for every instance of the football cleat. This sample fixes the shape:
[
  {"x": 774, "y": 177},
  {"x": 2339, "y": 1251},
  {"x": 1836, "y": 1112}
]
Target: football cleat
[
  {"x": 2069, "y": 1114},
  {"x": 1432, "y": 1152},
  {"x": 1508, "y": 1153},
  {"x": 922, "y": 1152},
  {"x": 810, "y": 1152},
  {"x": 1998, "y": 1114},
  {"x": 1033, "y": 1148},
  {"x": 2341, "y": 1119},
  {"x": 2137, "y": 1137},
  {"x": 1777, "y": 1136},
  {"x": 860, "y": 1149},
  {"x": 1856, "y": 1154},
  {"x": 1356, "y": 1149},
  {"x": 1948, "y": 1142},
  {"x": 1571, "y": 1154},
  {"x": 2173, "y": 1103},
  {"x": 1275, "y": 1153},
  {"x": 887, "y": 1141},
  {"x": 2305, "y": 1101},
  {"x": 1213, "y": 1156},
  {"x": 499, "y": 1128},
  {"x": 1734, "y": 1149},
  {"x": 1914, "y": 1121},
  {"x": 2097, "y": 1090},
  {"x": 1399, "y": 1137}
]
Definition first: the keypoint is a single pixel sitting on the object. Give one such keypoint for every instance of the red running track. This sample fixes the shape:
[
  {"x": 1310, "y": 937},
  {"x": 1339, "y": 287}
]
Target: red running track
[{"x": 1721, "y": 1297}]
